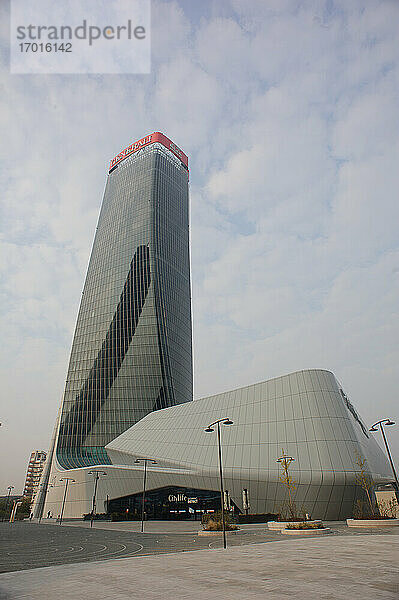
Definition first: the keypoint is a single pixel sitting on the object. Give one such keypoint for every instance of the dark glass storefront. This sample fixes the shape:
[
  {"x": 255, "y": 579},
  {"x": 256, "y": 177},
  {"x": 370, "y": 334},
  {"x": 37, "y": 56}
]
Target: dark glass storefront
[{"x": 175, "y": 503}]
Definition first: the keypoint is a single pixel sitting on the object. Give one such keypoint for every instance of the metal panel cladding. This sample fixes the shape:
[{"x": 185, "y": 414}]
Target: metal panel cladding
[{"x": 132, "y": 349}]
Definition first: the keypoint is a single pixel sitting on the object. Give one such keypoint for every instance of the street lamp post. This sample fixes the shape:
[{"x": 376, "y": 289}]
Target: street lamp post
[
  {"x": 46, "y": 486},
  {"x": 375, "y": 428},
  {"x": 209, "y": 429},
  {"x": 15, "y": 506},
  {"x": 10, "y": 487},
  {"x": 145, "y": 461},
  {"x": 97, "y": 475},
  {"x": 67, "y": 480}
]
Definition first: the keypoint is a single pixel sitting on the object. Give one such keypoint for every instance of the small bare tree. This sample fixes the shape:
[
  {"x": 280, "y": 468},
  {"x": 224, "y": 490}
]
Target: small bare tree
[
  {"x": 213, "y": 521},
  {"x": 290, "y": 485},
  {"x": 388, "y": 508},
  {"x": 365, "y": 481}
]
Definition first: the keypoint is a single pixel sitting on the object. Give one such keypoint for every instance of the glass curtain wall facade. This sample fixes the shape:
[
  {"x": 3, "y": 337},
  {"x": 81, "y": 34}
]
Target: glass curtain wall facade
[{"x": 132, "y": 349}]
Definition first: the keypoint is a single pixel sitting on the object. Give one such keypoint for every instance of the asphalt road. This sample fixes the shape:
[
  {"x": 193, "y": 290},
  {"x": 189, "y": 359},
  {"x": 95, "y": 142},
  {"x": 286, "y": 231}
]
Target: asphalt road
[
  {"x": 29, "y": 545},
  {"x": 26, "y": 545}
]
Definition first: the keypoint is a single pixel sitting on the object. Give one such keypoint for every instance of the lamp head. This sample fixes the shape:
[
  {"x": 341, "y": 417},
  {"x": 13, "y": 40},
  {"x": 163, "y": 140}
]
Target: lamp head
[
  {"x": 228, "y": 422},
  {"x": 209, "y": 430},
  {"x": 284, "y": 458},
  {"x": 373, "y": 428},
  {"x": 389, "y": 422}
]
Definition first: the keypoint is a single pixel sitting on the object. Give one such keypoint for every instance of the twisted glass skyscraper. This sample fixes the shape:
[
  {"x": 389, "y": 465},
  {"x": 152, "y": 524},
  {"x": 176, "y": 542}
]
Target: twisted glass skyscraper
[{"x": 131, "y": 352}]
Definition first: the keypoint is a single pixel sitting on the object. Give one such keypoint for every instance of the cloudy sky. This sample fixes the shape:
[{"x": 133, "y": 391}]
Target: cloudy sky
[{"x": 288, "y": 110}]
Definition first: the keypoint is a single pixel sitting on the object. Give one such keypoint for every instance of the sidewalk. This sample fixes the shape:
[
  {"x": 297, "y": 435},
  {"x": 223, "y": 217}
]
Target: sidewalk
[{"x": 330, "y": 568}]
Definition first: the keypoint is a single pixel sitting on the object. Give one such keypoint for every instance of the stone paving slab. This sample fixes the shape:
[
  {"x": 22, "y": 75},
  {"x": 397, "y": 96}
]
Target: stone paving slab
[{"x": 330, "y": 568}]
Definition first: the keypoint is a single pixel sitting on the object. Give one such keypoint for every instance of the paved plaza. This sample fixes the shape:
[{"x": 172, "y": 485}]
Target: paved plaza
[{"x": 87, "y": 563}]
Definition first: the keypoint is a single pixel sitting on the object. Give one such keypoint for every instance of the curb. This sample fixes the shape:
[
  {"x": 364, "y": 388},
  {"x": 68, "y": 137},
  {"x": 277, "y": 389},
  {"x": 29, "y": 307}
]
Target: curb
[
  {"x": 203, "y": 532},
  {"x": 372, "y": 522},
  {"x": 306, "y": 531}
]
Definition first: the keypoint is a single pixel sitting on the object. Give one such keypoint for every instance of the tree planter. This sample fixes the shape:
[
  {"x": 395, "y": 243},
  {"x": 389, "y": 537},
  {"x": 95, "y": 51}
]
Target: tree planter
[
  {"x": 372, "y": 522},
  {"x": 204, "y": 532},
  {"x": 279, "y": 525},
  {"x": 306, "y": 531}
]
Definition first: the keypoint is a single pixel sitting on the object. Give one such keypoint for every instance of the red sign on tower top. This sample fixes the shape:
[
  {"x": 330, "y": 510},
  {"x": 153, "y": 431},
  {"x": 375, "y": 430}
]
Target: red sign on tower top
[{"x": 157, "y": 136}]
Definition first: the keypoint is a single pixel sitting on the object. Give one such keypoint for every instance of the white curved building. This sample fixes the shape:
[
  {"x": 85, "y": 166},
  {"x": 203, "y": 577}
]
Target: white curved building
[{"x": 305, "y": 413}]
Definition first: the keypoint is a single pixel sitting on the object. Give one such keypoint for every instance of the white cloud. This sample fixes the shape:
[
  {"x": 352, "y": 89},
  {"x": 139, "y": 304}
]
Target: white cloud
[
  {"x": 171, "y": 31},
  {"x": 186, "y": 101}
]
